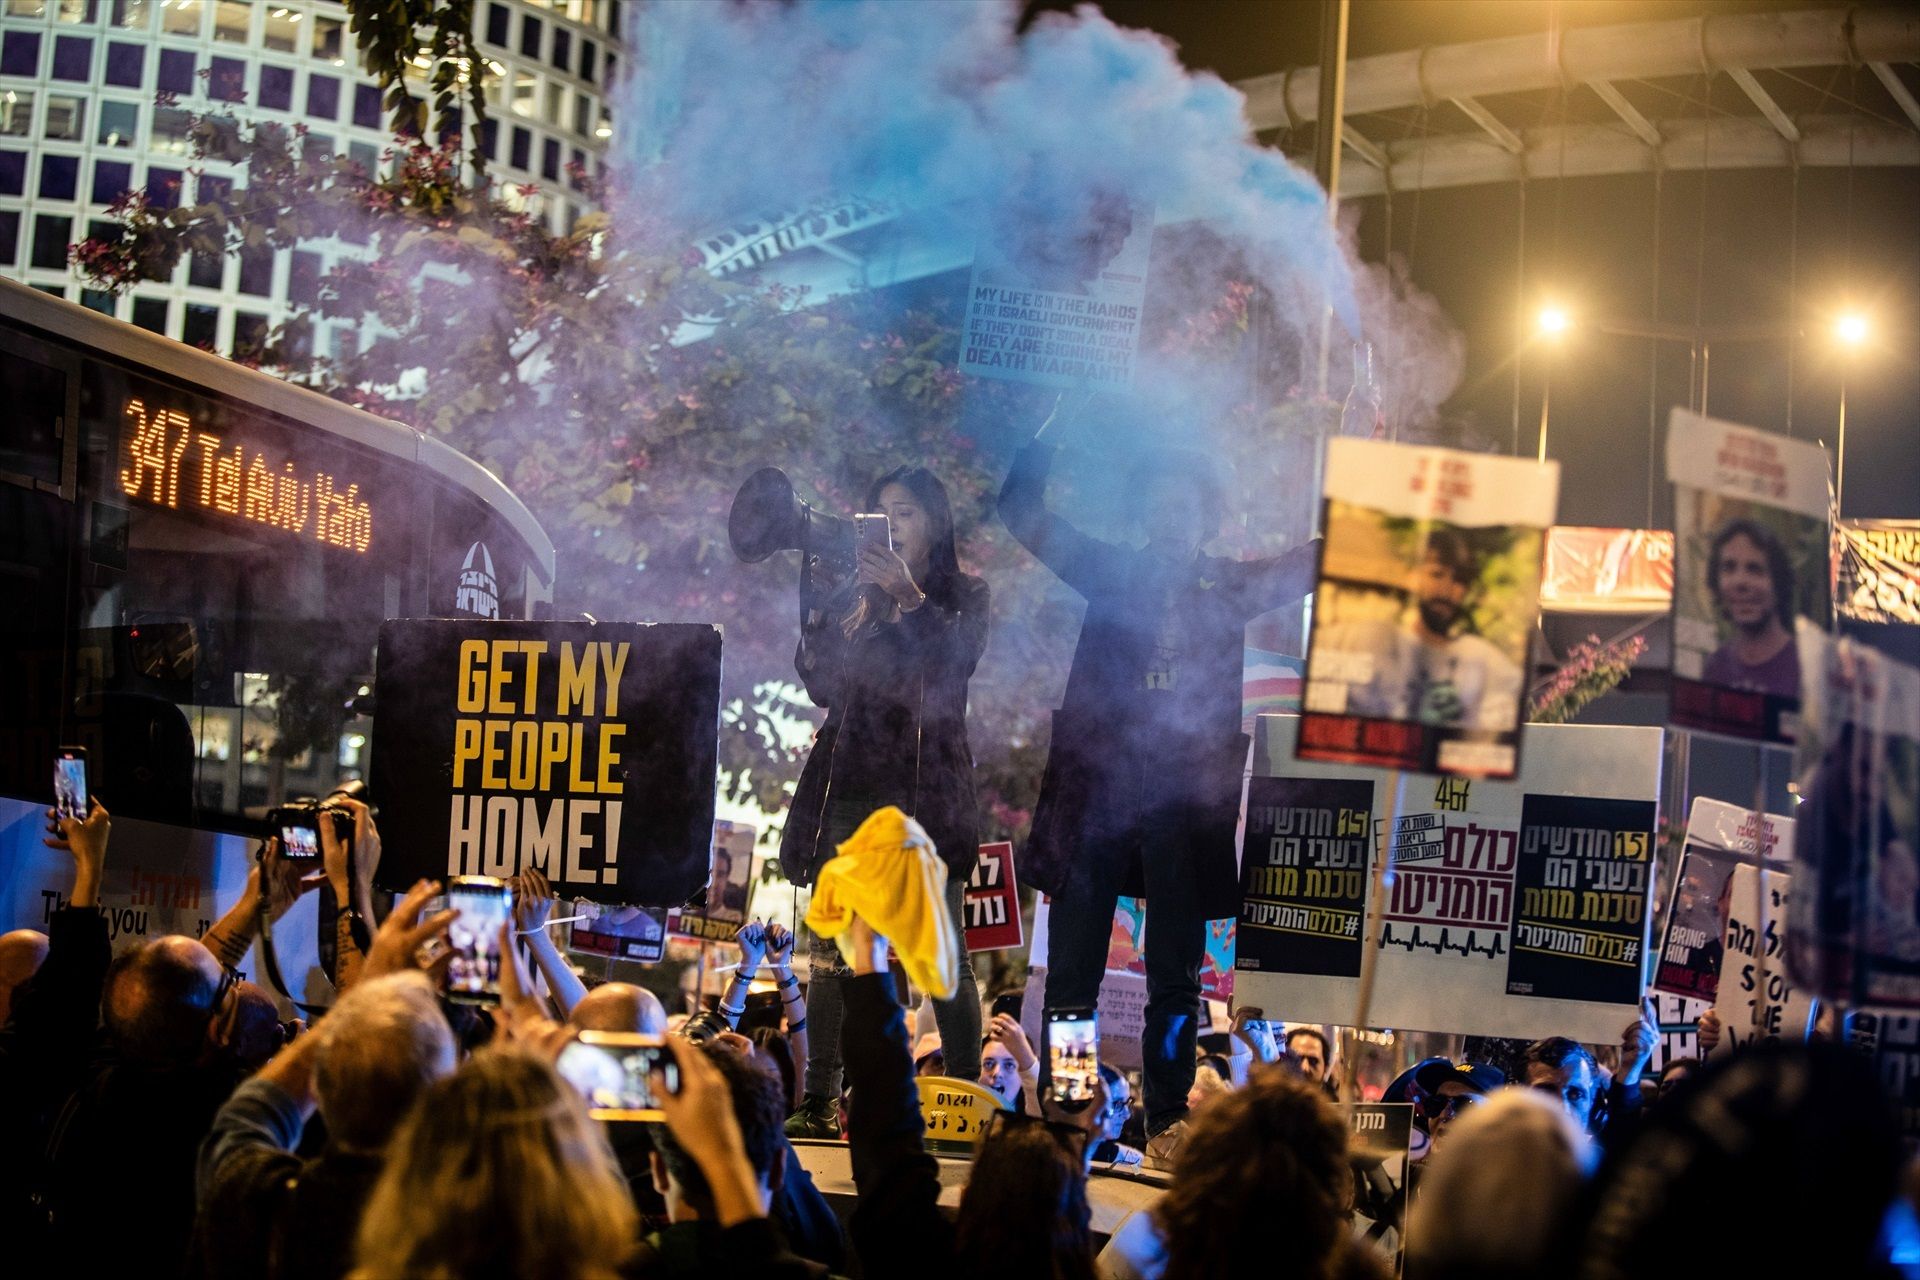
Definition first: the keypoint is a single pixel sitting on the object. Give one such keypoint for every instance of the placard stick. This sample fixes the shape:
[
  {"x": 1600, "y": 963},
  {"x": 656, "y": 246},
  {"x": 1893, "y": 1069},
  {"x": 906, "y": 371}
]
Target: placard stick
[
  {"x": 1760, "y": 880},
  {"x": 1370, "y": 947},
  {"x": 700, "y": 978}
]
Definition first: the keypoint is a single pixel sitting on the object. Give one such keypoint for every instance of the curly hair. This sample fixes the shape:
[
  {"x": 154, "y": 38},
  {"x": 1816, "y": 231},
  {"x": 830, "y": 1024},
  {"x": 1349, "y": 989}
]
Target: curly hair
[
  {"x": 1779, "y": 564},
  {"x": 1024, "y": 1211},
  {"x": 1263, "y": 1163}
]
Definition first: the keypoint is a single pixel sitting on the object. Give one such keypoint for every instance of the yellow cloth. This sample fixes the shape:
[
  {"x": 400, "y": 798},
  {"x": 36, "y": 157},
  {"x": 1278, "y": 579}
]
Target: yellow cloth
[{"x": 889, "y": 874}]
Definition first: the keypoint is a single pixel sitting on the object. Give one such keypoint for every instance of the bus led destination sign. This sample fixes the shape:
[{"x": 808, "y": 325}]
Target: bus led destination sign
[{"x": 170, "y": 461}]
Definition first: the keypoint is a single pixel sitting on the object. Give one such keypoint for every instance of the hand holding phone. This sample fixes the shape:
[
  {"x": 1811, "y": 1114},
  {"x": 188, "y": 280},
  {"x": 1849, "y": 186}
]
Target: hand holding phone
[
  {"x": 70, "y": 783},
  {"x": 483, "y": 906},
  {"x": 1073, "y": 1057},
  {"x": 615, "y": 1072}
]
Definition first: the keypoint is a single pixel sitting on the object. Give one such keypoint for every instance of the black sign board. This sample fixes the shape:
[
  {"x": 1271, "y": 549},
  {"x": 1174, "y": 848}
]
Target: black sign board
[{"x": 1579, "y": 926}]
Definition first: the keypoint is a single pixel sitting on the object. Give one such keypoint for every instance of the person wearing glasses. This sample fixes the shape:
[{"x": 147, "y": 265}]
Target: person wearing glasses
[
  {"x": 1111, "y": 1121},
  {"x": 1443, "y": 1091}
]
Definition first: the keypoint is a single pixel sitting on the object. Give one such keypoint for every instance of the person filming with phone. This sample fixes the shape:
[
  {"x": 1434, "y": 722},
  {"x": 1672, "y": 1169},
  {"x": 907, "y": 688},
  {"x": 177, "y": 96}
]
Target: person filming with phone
[{"x": 889, "y": 655}]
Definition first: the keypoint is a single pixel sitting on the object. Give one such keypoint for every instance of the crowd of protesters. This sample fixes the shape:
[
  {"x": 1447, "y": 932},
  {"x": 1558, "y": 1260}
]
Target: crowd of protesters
[{"x": 160, "y": 1118}]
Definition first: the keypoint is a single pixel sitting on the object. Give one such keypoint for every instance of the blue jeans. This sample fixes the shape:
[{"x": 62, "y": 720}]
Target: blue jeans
[
  {"x": 958, "y": 1018},
  {"x": 1080, "y": 924}
]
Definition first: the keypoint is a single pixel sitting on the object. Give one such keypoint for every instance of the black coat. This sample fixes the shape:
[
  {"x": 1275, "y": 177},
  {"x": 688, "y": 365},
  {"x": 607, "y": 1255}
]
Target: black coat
[
  {"x": 1105, "y": 739},
  {"x": 896, "y": 730}
]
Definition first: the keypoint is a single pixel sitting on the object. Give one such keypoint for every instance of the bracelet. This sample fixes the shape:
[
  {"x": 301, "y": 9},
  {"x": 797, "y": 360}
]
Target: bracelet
[
  {"x": 795, "y": 1028},
  {"x": 914, "y": 607},
  {"x": 789, "y": 984},
  {"x": 732, "y": 1013}
]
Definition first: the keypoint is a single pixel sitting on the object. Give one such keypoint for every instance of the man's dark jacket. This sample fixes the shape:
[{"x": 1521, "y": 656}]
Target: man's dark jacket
[{"x": 1102, "y": 742}]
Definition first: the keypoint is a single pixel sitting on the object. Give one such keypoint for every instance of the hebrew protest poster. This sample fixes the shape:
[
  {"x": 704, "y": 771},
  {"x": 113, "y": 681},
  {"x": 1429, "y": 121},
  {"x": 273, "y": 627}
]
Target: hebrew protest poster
[
  {"x": 1755, "y": 997},
  {"x": 1751, "y": 554},
  {"x": 1062, "y": 310},
  {"x": 587, "y": 750},
  {"x": 992, "y": 901},
  {"x": 1854, "y": 933},
  {"x": 621, "y": 932},
  {"x": 1720, "y": 836},
  {"x": 1473, "y": 933},
  {"x": 729, "y": 887},
  {"x": 1303, "y": 875},
  {"x": 1429, "y": 590},
  {"x": 1379, "y": 1136},
  {"x": 1878, "y": 565}
]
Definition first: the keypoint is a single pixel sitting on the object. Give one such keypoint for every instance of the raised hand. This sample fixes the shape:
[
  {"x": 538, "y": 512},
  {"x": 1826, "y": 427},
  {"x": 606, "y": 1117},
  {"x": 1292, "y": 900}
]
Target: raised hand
[
  {"x": 1008, "y": 1031},
  {"x": 752, "y": 938},
  {"x": 533, "y": 900},
  {"x": 779, "y": 946},
  {"x": 396, "y": 946},
  {"x": 86, "y": 840},
  {"x": 882, "y": 567}
]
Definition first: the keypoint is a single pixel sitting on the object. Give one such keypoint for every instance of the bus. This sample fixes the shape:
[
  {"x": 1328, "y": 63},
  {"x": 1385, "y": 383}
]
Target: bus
[{"x": 195, "y": 559}]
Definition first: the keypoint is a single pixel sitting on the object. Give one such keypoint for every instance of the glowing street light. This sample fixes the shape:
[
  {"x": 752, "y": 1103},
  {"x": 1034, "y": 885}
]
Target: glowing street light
[
  {"x": 1851, "y": 329},
  {"x": 1552, "y": 324},
  {"x": 1553, "y": 321}
]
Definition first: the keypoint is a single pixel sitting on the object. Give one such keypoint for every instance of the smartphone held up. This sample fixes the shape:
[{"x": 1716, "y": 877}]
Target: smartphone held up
[
  {"x": 484, "y": 905},
  {"x": 70, "y": 783},
  {"x": 1073, "y": 1057},
  {"x": 613, "y": 1070}
]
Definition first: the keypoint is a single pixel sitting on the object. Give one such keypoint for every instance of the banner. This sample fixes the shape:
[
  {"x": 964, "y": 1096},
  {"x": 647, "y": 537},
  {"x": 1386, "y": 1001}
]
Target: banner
[
  {"x": 1878, "y": 566},
  {"x": 1720, "y": 837},
  {"x": 729, "y": 887},
  {"x": 1428, "y": 595},
  {"x": 992, "y": 901},
  {"x": 1303, "y": 875},
  {"x": 1380, "y": 1135},
  {"x": 588, "y": 750},
  {"x": 1513, "y": 909},
  {"x": 624, "y": 932},
  {"x": 1751, "y": 554},
  {"x": 1855, "y": 914},
  {"x": 1062, "y": 312},
  {"x": 1607, "y": 570}
]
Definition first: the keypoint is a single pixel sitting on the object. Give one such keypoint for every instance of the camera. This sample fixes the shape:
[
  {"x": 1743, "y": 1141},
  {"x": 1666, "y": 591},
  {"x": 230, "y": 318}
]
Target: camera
[
  {"x": 703, "y": 1028},
  {"x": 298, "y": 823}
]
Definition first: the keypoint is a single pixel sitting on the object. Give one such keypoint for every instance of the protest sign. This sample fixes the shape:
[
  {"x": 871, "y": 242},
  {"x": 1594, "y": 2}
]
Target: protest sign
[
  {"x": 623, "y": 933},
  {"x": 1893, "y": 1042},
  {"x": 587, "y": 750},
  {"x": 1380, "y": 1135},
  {"x": 1720, "y": 836},
  {"x": 992, "y": 901},
  {"x": 1303, "y": 875},
  {"x": 1878, "y": 566},
  {"x": 1755, "y": 998},
  {"x": 1062, "y": 311},
  {"x": 729, "y": 887},
  {"x": 1428, "y": 594},
  {"x": 1855, "y": 916},
  {"x": 1514, "y": 908},
  {"x": 1751, "y": 554}
]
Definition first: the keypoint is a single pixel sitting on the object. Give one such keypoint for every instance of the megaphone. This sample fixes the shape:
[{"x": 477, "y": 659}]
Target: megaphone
[{"x": 768, "y": 516}]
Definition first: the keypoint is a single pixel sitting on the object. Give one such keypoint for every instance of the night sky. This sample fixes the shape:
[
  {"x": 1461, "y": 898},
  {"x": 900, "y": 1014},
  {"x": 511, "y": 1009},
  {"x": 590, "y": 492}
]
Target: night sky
[{"x": 1724, "y": 254}]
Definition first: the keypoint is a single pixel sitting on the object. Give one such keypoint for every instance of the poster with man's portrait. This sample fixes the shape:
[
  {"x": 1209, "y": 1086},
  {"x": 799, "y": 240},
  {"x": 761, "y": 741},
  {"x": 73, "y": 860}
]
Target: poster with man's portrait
[
  {"x": 729, "y": 887},
  {"x": 1428, "y": 592},
  {"x": 1751, "y": 554}
]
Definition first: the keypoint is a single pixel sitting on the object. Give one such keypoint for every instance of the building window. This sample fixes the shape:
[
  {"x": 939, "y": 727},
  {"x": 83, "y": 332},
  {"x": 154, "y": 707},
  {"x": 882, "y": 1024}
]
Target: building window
[
  {"x": 182, "y": 19},
  {"x": 249, "y": 333},
  {"x": 328, "y": 41},
  {"x": 51, "y": 235},
  {"x": 365, "y": 155},
  {"x": 256, "y": 271},
  {"x": 59, "y": 177},
  {"x": 228, "y": 80},
  {"x": 589, "y": 54},
  {"x": 490, "y": 139},
  {"x": 72, "y": 58},
  {"x": 556, "y": 103},
  {"x": 20, "y": 54},
  {"x": 66, "y": 118},
  {"x": 151, "y": 314},
  {"x": 97, "y": 300},
  {"x": 206, "y": 269},
  {"x": 129, "y": 14},
  {"x": 366, "y": 106},
  {"x": 525, "y": 93},
  {"x": 522, "y": 157},
  {"x": 201, "y": 325},
  {"x": 176, "y": 70},
  {"x": 231, "y": 21},
  {"x": 163, "y": 187},
  {"x": 323, "y": 97},
  {"x": 9, "y": 237},
  {"x": 303, "y": 277},
  {"x": 110, "y": 178},
  {"x": 316, "y": 148},
  {"x": 582, "y": 114},
  {"x": 26, "y": 8},
  {"x": 280, "y": 30},
  {"x": 497, "y": 16},
  {"x": 119, "y": 122},
  {"x": 613, "y": 65},
  {"x": 74, "y": 11},
  {"x": 13, "y": 173},
  {"x": 171, "y": 127},
  {"x": 529, "y": 36},
  {"x": 563, "y": 48},
  {"x": 217, "y": 191},
  {"x": 16, "y": 112},
  {"x": 550, "y": 159},
  {"x": 276, "y": 88},
  {"x": 126, "y": 63}
]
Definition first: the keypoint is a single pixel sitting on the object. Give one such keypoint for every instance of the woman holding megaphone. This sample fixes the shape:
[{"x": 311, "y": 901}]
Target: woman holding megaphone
[{"x": 888, "y": 652}]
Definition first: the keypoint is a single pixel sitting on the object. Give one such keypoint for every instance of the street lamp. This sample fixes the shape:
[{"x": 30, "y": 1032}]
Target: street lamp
[
  {"x": 1552, "y": 324},
  {"x": 1850, "y": 331}
]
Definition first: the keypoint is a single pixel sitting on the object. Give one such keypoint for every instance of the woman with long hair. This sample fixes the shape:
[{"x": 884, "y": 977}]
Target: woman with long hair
[
  {"x": 889, "y": 658},
  {"x": 498, "y": 1172}
]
